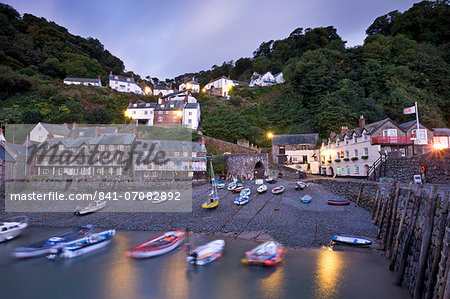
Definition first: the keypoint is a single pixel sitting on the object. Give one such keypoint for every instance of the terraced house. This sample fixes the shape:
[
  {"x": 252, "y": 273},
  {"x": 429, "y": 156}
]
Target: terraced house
[{"x": 356, "y": 152}]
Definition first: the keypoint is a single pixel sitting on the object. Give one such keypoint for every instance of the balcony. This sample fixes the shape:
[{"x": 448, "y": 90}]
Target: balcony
[{"x": 391, "y": 140}]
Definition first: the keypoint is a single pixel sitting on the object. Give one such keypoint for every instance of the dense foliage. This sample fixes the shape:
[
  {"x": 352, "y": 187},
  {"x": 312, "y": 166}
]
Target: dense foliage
[{"x": 405, "y": 58}]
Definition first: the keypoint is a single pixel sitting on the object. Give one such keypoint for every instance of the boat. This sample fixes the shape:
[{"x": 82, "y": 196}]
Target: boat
[
  {"x": 239, "y": 183},
  {"x": 242, "y": 200},
  {"x": 220, "y": 185},
  {"x": 267, "y": 254},
  {"x": 82, "y": 246},
  {"x": 92, "y": 207},
  {"x": 349, "y": 240},
  {"x": 278, "y": 190},
  {"x": 262, "y": 188},
  {"x": 231, "y": 186},
  {"x": 207, "y": 253},
  {"x": 306, "y": 199},
  {"x": 12, "y": 228},
  {"x": 338, "y": 202},
  {"x": 299, "y": 185},
  {"x": 245, "y": 192},
  {"x": 158, "y": 245},
  {"x": 43, "y": 247},
  {"x": 213, "y": 200},
  {"x": 238, "y": 189},
  {"x": 271, "y": 180}
]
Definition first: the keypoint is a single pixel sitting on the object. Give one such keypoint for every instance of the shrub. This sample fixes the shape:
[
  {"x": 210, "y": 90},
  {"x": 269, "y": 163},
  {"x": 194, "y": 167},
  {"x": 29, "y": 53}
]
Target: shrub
[
  {"x": 329, "y": 161},
  {"x": 337, "y": 160},
  {"x": 346, "y": 159},
  {"x": 365, "y": 157},
  {"x": 354, "y": 158}
]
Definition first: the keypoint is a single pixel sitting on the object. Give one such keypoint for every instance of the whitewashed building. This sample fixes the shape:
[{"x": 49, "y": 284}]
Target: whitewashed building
[
  {"x": 162, "y": 90},
  {"x": 124, "y": 84},
  {"x": 279, "y": 78},
  {"x": 83, "y": 81},
  {"x": 42, "y": 131},
  {"x": 221, "y": 86},
  {"x": 192, "y": 86},
  {"x": 266, "y": 80},
  {"x": 441, "y": 138}
]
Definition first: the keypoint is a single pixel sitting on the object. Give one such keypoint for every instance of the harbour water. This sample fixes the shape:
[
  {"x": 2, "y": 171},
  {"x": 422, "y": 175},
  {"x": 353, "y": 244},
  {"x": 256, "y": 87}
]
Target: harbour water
[{"x": 326, "y": 272}]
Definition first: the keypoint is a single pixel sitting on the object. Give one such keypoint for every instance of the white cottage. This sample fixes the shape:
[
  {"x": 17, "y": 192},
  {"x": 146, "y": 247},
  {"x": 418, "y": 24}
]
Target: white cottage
[
  {"x": 192, "y": 86},
  {"x": 83, "y": 81},
  {"x": 124, "y": 84},
  {"x": 221, "y": 86},
  {"x": 41, "y": 131}
]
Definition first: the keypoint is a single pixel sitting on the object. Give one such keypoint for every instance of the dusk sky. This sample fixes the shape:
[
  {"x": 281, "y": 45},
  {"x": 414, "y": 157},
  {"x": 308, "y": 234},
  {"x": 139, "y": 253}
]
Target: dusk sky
[{"x": 168, "y": 38}]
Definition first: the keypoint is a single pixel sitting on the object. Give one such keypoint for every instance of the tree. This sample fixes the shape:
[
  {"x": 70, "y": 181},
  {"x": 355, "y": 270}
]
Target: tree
[
  {"x": 52, "y": 67},
  {"x": 383, "y": 25},
  {"x": 98, "y": 115}
]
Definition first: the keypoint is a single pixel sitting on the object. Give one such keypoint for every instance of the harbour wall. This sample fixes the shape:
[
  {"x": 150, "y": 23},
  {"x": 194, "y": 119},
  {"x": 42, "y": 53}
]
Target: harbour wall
[{"x": 413, "y": 230}]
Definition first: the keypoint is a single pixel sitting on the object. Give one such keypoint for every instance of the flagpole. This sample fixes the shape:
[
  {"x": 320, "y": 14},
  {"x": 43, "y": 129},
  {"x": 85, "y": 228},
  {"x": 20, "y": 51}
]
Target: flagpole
[{"x": 417, "y": 118}]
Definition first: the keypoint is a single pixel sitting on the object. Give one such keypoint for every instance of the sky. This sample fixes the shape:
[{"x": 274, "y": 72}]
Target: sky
[{"x": 168, "y": 38}]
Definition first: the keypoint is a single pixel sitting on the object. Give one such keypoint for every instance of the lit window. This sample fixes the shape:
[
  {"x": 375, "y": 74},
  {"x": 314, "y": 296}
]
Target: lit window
[{"x": 356, "y": 169}]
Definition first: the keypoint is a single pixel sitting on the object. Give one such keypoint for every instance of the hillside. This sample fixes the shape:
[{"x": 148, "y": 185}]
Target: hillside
[{"x": 405, "y": 58}]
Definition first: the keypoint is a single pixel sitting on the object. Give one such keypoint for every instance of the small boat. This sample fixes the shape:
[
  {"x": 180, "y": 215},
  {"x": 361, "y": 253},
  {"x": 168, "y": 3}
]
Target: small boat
[
  {"x": 338, "y": 202},
  {"x": 278, "y": 190},
  {"x": 266, "y": 254},
  {"x": 92, "y": 207},
  {"x": 238, "y": 189},
  {"x": 12, "y": 228},
  {"x": 158, "y": 245},
  {"x": 262, "y": 188},
  {"x": 82, "y": 246},
  {"x": 220, "y": 185},
  {"x": 306, "y": 199},
  {"x": 245, "y": 192},
  {"x": 43, "y": 247},
  {"x": 271, "y": 180},
  {"x": 207, "y": 253},
  {"x": 239, "y": 183},
  {"x": 242, "y": 200},
  {"x": 299, "y": 185},
  {"x": 349, "y": 240},
  {"x": 213, "y": 200},
  {"x": 231, "y": 186}
]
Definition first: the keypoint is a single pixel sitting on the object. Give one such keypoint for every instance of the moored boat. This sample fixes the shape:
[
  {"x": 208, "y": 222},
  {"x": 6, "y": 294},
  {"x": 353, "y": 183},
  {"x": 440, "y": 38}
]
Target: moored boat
[
  {"x": 238, "y": 189},
  {"x": 12, "y": 228},
  {"x": 299, "y": 185},
  {"x": 338, "y": 202},
  {"x": 306, "y": 199},
  {"x": 158, "y": 245},
  {"x": 242, "y": 200},
  {"x": 278, "y": 190},
  {"x": 82, "y": 246},
  {"x": 92, "y": 207},
  {"x": 350, "y": 240},
  {"x": 231, "y": 186},
  {"x": 245, "y": 192},
  {"x": 207, "y": 253},
  {"x": 271, "y": 180},
  {"x": 262, "y": 188},
  {"x": 267, "y": 254},
  {"x": 220, "y": 185},
  {"x": 43, "y": 247},
  {"x": 213, "y": 200}
]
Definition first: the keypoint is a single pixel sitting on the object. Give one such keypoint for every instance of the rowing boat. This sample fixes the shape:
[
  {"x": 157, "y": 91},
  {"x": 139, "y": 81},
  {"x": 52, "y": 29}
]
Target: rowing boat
[
  {"x": 262, "y": 188},
  {"x": 207, "y": 253},
  {"x": 278, "y": 190},
  {"x": 306, "y": 199},
  {"x": 338, "y": 202},
  {"x": 299, "y": 185},
  {"x": 11, "y": 229},
  {"x": 158, "y": 245},
  {"x": 92, "y": 207},
  {"x": 349, "y": 240},
  {"x": 267, "y": 254},
  {"x": 242, "y": 200},
  {"x": 245, "y": 192}
]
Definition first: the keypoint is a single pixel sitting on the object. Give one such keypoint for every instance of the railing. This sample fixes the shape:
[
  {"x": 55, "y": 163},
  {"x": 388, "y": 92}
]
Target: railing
[
  {"x": 378, "y": 168},
  {"x": 392, "y": 140}
]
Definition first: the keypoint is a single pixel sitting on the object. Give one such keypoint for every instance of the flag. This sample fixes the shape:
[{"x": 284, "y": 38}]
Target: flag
[{"x": 409, "y": 110}]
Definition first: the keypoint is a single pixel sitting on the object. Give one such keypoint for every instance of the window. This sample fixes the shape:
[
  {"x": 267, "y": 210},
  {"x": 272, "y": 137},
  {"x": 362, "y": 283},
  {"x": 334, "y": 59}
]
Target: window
[
  {"x": 160, "y": 112},
  {"x": 120, "y": 147},
  {"x": 346, "y": 141},
  {"x": 365, "y": 137},
  {"x": 160, "y": 119},
  {"x": 305, "y": 159},
  {"x": 390, "y": 132},
  {"x": 44, "y": 171},
  {"x": 348, "y": 170},
  {"x": 338, "y": 155},
  {"x": 366, "y": 151},
  {"x": 101, "y": 147},
  {"x": 190, "y": 121},
  {"x": 339, "y": 171},
  {"x": 190, "y": 113},
  {"x": 146, "y": 112},
  {"x": 337, "y": 143},
  {"x": 111, "y": 147},
  {"x": 355, "y": 140},
  {"x": 167, "y": 112},
  {"x": 356, "y": 152},
  {"x": 347, "y": 154},
  {"x": 403, "y": 152},
  {"x": 134, "y": 112},
  {"x": 356, "y": 169},
  {"x": 174, "y": 119}
]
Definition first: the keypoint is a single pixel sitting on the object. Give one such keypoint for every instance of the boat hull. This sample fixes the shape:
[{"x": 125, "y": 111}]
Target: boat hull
[
  {"x": 206, "y": 253},
  {"x": 352, "y": 241},
  {"x": 142, "y": 253},
  {"x": 208, "y": 205},
  {"x": 242, "y": 200},
  {"x": 278, "y": 190},
  {"x": 338, "y": 202},
  {"x": 12, "y": 233},
  {"x": 266, "y": 255}
]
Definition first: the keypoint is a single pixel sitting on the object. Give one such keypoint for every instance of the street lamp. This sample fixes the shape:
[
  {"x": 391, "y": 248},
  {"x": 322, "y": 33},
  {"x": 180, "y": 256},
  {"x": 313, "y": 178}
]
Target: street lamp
[{"x": 270, "y": 135}]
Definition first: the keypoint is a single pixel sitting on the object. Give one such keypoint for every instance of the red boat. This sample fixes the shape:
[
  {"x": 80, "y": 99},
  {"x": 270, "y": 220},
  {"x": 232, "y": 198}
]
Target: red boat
[
  {"x": 238, "y": 189},
  {"x": 158, "y": 245},
  {"x": 338, "y": 202}
]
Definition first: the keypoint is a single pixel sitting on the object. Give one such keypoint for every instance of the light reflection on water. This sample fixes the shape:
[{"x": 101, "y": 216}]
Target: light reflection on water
[{"x": 328, "y": 272}]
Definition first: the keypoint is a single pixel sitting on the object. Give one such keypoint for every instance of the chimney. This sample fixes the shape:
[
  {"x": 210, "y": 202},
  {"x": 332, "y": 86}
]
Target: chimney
[
  {"x": 74, "y": 125},
  {"x": 50, "y": 136},
  {"x": 170, "y": 86},
  {"x": 196, "y": 80},
  {"x": 74, "y": 135},
  {"x": 203, "y": 141},
  {"x": 160, "y": 100},
  {"x": 97, "y": 131},
  {"x": 110, "y": 73},
  {"x": 362, "y": 122},
  {"x": 99, "y": 77},
  {"x": 229, "y": 77},
  {"x": 211, "y": 79},
  {"x": 344, "y": 129},
  {"x": 139, "y": 135},
  {"x": 186, "y": 98}
]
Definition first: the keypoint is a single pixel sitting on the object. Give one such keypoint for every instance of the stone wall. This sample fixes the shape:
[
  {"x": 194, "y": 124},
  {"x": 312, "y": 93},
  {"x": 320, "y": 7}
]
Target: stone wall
[
  {"x": 437, "y": 167},
  {"x": 218, "y": 146},
  {"x": 242, "y": 166},
  {"x": 410, "y": 205}
]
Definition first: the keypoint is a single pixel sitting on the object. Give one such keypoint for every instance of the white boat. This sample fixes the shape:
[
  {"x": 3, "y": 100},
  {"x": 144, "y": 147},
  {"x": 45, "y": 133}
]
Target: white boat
[
  {"x": 278, "y": 190},
  {"x": 300, "y": 185},
  {"x": 82, "y": 246},
  {"x": 262, "y": 188},
  {"x": 350, "y": 240},
  {"x": 158, "y": 245},
  {"x": 207, "y": 253},
  {"x": 92, "y": 207},
  {"x": 245, "y": 192},
  {"x": 267, "y": 254},
  {"x": 242, "y": 200},
  {"x": 11, "y": 229}
]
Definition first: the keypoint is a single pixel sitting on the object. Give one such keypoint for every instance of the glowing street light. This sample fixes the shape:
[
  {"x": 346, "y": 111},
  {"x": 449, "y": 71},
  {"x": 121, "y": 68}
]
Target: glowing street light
[
  {"x": 438, "y": 146},
  {"x": 270, "y": 135}
]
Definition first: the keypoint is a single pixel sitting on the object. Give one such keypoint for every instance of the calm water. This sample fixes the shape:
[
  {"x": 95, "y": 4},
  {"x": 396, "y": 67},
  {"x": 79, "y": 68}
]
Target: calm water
[{"x": 306, "y": 273}]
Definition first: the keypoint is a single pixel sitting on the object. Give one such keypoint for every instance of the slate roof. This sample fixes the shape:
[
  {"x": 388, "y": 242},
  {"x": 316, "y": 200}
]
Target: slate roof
[
  {"x": 171, "y": 146},
  {"x": 441, "y": 131},
  {"x": 141, "y": 104},
  {"x": 161, "y": 87},
  {"x": 56, "y": 129},
  {"x": 90, "y": 131},
  {"x": 191, "y": 106},
  {"x": 82, "y": 80},
  {"x": 121, "y": 78},
  {"x": 295, "y": 139},
  {"x": 103, "y": 139},
  {"x": 18, "y": 148},
  {"x": 177, "y": 105},
  {"x": 174, "y": 93}
]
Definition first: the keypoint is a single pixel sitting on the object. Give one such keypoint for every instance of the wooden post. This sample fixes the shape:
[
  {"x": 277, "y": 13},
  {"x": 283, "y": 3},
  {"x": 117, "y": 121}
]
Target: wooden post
[
  {"x": 383, "y": 210},
  {"x": 405, "y": 247},
  {"x": 400, "y": 228},
  {"x": 377, "y": 214},
  {"x": 424, "y": 247},
  {"x": 375, "y": 204},
  {"x": 361, "y": 186},
  {"x": 393, "y": 219},
  {"x": 438, "y": 248}
]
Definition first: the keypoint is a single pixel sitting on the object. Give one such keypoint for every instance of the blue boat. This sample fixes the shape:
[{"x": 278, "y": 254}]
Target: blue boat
[
  {"x": 350, "y": 240},
  {"x": 338, "y": 202},
  {"x": 242, "y": 200},
  {"x": 245, "y": 192},
  {"x": 306, "y": 199},
  {"x": 43, "y": 247}
]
